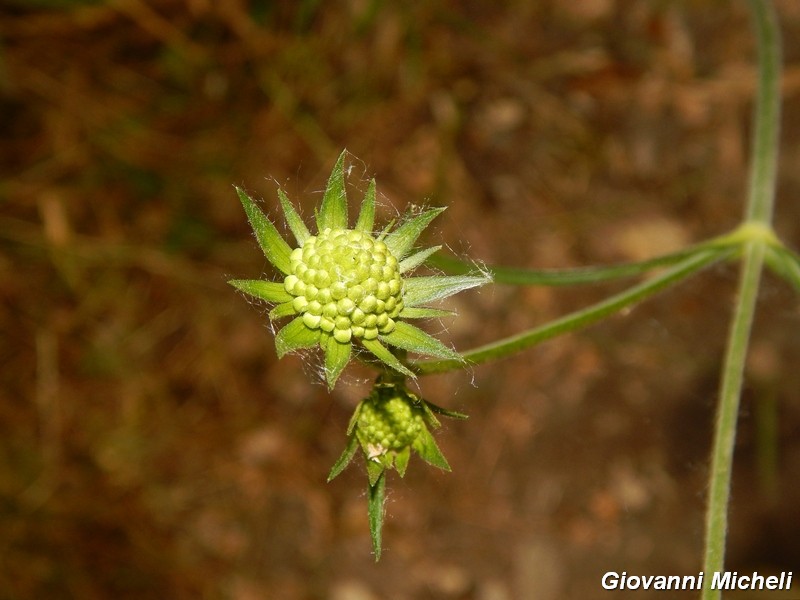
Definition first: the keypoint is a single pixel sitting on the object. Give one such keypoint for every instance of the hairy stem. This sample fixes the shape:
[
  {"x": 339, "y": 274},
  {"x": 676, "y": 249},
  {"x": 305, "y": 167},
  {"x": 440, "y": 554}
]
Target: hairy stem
[
  {"x": 727, "y": 413},
  {"x": 578, "y": 319},
  {"x": 760, "y": 202},
  {"x": 764, "y": 159}
]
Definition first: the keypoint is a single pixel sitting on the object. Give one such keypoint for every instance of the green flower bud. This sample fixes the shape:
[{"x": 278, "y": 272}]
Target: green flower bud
[
  {"x": 389, "y": 423},
  {"x": 331, "y": 266}
]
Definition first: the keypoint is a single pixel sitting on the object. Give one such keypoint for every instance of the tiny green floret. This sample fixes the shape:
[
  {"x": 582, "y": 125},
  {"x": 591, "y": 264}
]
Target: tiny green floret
[{"x": 344, "y": 286}]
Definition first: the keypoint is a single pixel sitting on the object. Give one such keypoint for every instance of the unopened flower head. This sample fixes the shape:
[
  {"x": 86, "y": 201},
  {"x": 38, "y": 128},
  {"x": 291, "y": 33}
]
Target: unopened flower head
[
  {"x": 388, "y": 425},
  {"x": 346, "y": 285}
]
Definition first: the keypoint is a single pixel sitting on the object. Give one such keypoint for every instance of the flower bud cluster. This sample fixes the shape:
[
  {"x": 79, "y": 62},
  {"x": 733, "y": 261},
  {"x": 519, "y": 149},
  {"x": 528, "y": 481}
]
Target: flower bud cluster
[
  {"x": 345, "y": 283},
  {"x": 390, "y": 422}
]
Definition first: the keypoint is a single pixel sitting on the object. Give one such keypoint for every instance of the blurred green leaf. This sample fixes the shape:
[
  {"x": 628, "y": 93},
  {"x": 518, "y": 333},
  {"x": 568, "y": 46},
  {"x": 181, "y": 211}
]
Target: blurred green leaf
[{"x": 784, "y": 263}]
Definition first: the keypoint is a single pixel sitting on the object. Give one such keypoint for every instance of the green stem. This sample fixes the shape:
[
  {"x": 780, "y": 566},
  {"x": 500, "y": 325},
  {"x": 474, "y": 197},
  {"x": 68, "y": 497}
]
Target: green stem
[
  {"x": 760, "y": 202},
  {"x": 559, "y": 277},
  {"x": 578, "y": 319},
  {"x": 727, "y": 413},
  {"x": 764, "y": 160},
  {"x": 595, "y": 274}
]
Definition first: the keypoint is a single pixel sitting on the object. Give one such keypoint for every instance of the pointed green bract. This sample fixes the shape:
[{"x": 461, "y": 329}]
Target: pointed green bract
[
  {"x": 413, "y": 312},
  {"x": 444, "y": 412},
  {"x": 282, "y": 310},
  {"x": 375, "y": 501},
  {"x": 411, "y": 338},
  {"x": 401, "y": 460},
  {"x": 299, "y": 229},
  {"x": 429, "y": 452},
  {"x": 430, "y": 418},
  {"x": 385, "y": 231},
  {"x": 333, "y": 211},
  {"x": 416, "y": 259},
  {"x": 385, "y": 356},
  {"x": 375, "y": 470},
  {"x": 419, "y": 290},
  {"x": 344, "y": 460},
  {"x": 402, "y": 239},
  {"x": 272, "y": 244},
  {"x": 337, "y": 356},
  {"x": 351, "y": 425},
  {"x": 366, "y": 218},
  {"x": 295, "y": 336},
  {"x": 271, "y": 291}
]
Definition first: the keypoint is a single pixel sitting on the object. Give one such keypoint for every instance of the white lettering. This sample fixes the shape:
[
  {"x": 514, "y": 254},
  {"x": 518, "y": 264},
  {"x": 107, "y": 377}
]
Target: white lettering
[
  {"x": 665, "y": 583},
  {"x": 610, "y": 580},
  {"x": 690, "y": 582},
  {"x": 721, "y": 580}
]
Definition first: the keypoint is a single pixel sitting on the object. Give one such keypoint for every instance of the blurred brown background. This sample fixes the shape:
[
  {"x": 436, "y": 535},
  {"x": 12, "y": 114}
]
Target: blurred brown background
[{"x": 152, "y": 447}]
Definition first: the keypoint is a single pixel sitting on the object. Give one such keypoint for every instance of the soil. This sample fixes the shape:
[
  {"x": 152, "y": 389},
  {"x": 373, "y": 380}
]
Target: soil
[{"x": 153, "y": 446}]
